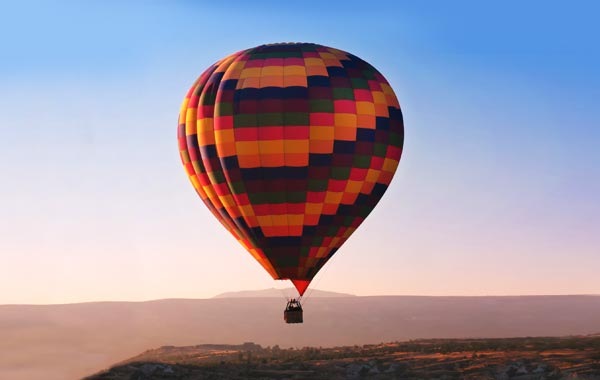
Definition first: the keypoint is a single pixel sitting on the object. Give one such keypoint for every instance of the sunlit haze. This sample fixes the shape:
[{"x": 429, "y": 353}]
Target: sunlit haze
[{"x": 497, "y": 191}]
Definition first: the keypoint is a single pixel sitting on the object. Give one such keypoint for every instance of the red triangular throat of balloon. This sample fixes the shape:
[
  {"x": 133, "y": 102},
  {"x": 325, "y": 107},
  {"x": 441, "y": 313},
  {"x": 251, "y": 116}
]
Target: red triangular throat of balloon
[{"x": 301, "y": 285}]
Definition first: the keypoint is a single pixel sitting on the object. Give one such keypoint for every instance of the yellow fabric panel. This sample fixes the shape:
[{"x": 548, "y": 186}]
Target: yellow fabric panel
[
  {"x": 227, "y": 200},
  {"x": 183, "y": 111},
  {"x": 314, "y": 62},
  {"x": 333, "y": 197},
  {"x": 233, "y": 211},
  {"x": 318, "y": 132},
  {"x": 237, "y": 66},
  {"x": 272, "y": 71},
  {"x": 345, "y": 120},
  {"x": 295, "y": 219},
  {"x": 225, "y": 63},
  {"x": 232, "y": 74},
  {"x": 379, "y": 97},
  {"x": 195, "y": 182},
  {"x": 226, "y": 149},
  {"x": 271, "y": 81},
  {"x": 372, "y": 175},
  {"x": 206, "y": 137},
  {"x": 271, "y": 147},
  {"x": 280, "y": 220},
  {"x": 247, "y": 148},
  {"x": 210, "y": 193},
  {"x": 223, "y": 136},
  {"x": 190, "y": 116},
  {"x": 265, "y": 221},
  {"x": 295, "y": 146},
  {"x": 294, "y": 70},
  {"x": 313, "y": 208},
  {"x": 387, "y": 89},
  {"x": 250, "y": 72},
  {"x": 247, "y": 210},
  {"x": 365, "y": 108},
  {"x": 353, "y": 186},
  {"x": 390, "y": 165},
  {"x": 185, "y": 156},
  {"x": 326, "y": 55},
  {"x": 253, "y": 82},
  {"x": 196, "y": 166},
  {"x": 205, "y": 124}
]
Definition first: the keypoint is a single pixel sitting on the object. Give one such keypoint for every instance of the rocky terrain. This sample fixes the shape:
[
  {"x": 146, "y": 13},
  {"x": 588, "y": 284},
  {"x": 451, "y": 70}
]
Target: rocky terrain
[{"x": 445, "y": 359}]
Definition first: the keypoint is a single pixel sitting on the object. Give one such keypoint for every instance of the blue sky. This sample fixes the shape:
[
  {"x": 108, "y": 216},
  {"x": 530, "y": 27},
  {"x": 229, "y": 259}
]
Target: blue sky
[{"x": 497, "y": 191}]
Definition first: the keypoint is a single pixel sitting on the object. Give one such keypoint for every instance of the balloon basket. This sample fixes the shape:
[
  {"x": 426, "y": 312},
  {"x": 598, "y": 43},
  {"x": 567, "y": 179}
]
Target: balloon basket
[{"x": 293, "y": 312}]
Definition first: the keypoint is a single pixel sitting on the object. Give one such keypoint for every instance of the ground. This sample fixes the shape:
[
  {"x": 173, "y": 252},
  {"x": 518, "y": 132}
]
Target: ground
[{"x": 444, "y": 359}]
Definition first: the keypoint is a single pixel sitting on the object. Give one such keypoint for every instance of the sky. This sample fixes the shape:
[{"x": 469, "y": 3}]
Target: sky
[{"x": 497, "y": 192}]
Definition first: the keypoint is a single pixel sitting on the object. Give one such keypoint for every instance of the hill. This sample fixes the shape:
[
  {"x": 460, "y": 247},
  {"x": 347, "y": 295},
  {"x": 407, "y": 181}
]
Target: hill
[
  {"x": 280, "y": 293},
  {"x": 468, "y": 359},
  {"x": 58, "y": 342}
]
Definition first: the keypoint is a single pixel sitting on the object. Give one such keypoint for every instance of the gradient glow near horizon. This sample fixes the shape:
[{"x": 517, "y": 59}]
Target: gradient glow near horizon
[{"x": 497, "y": 191}]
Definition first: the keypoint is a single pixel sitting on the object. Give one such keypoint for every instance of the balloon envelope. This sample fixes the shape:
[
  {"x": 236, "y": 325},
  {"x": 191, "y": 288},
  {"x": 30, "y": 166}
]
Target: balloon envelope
[{"x": 291, "y": 146}]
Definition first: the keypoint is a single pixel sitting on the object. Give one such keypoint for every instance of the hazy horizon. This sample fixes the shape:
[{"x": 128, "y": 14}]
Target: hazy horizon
[
  {"x": 290, "y": 293},
  {"x": 496, "y": 192}
]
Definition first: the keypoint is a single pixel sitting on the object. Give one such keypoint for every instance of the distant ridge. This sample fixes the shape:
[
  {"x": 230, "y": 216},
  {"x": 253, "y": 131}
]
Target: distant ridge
[{"x": 279, "y": 293}]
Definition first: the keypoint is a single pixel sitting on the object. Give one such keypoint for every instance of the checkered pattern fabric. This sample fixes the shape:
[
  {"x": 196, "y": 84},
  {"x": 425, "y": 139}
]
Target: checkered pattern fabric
[{"x": 291, "y": 146}]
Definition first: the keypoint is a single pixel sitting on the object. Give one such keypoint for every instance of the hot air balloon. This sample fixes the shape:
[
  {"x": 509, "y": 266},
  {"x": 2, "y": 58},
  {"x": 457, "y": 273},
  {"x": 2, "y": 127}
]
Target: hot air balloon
[{"x": 291, "y": 146}]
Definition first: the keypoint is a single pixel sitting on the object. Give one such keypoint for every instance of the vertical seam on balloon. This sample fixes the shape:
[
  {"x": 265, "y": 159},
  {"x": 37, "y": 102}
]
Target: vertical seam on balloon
[
  {"x": 300, "y": 256},
  {"x": 245, "y": 236},
  {"x": 265, "y": 247},
  {"x": 381, "y": 171},
  {"x": 317, "y": 267},
  {"x": 376, "y": 201},
  {"x": 282, "y": 103},
  {"x": 250, "y": 235},
  {"x": 329, "y": 246},
  {"x": 203, "y": 169},
  {"x": 239, "y": 232},
  {"x": 260, "y": 156},
  {"x": 399, "y": 110},
  {"x": 254, "y": 240},
  {"x": 307, "y": 187},
  {"x": 198, "y": 85}
]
